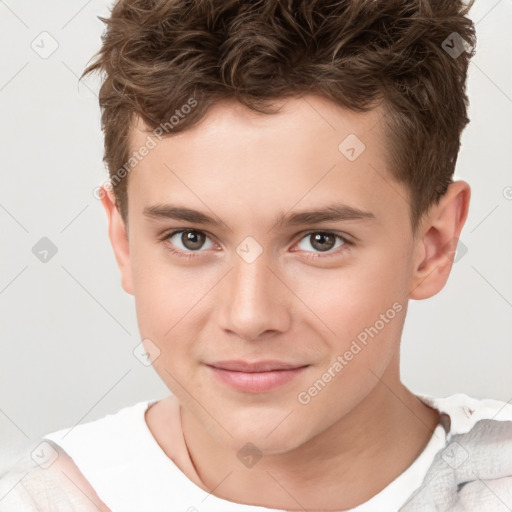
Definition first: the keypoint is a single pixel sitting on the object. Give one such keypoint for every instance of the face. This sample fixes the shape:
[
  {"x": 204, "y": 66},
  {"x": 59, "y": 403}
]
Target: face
[{"x": 319, "y": 299}]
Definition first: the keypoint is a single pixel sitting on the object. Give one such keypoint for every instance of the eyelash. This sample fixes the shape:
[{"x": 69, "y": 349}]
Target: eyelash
[{"x": 347, "y": 244}]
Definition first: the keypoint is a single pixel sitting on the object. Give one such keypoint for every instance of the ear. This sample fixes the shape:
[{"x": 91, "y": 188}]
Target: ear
[
  {"x": 437, "y": 241},
  {"x": 118, "y": 237}
]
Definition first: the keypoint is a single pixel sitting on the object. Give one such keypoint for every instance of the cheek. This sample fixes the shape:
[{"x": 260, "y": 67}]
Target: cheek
[
  {"x": 351, "y": 297},
  {"x": 360, "y": 308},
  {"x": 166, "y": 315},
  {"x": 170, "y": 301},
  {"x": 163, "y": 292},
  {"x": 165, "y": 307}
]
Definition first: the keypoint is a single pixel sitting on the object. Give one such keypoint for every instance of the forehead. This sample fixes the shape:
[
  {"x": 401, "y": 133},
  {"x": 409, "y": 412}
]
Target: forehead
[{"x": 240, "y": 164}]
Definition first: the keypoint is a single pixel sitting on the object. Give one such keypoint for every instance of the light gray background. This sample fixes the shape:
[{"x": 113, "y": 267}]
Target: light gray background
[{"x": 68, "y": 328}]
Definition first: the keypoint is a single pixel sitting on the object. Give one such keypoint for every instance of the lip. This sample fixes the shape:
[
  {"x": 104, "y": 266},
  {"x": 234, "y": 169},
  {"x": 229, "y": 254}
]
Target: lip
[
  {"x": 255, "y": 377},
  {"x": 254, "y": 367}
]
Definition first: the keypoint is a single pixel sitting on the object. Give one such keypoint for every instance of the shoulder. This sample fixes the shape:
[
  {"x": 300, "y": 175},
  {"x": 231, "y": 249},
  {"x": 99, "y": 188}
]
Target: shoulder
[
  {"x": 49, "y": 474},
  {"x": 465, "y": 411},
  {"x": 475, "y": 466},
  {"x": 479, "y": 437},
  {"x": 46, "y": 479},
  {"x": 103, "y": 439}
]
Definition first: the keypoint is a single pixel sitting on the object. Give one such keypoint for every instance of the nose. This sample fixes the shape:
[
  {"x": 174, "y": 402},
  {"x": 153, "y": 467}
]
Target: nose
[{"x": 254, "y": 302}]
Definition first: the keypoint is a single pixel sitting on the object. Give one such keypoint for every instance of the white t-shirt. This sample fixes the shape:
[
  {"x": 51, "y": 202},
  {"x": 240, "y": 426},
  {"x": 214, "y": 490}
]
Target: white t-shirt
[{"x": 130, "y": 472}]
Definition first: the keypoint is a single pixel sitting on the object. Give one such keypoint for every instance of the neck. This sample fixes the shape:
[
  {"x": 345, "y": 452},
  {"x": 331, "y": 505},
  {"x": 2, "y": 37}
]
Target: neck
[{"x": 340, "y": 468}]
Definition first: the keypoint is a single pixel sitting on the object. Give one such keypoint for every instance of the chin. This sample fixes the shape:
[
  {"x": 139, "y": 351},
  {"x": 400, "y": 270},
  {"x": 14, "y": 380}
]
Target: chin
[{"x": 269, "y": 437}]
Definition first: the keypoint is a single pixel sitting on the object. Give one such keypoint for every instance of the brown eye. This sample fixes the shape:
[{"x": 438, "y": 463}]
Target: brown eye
[
  {"x": 188, "y": 240},
  {"x": 321, "y": 241},
  {"x": 193, "y": 240}
]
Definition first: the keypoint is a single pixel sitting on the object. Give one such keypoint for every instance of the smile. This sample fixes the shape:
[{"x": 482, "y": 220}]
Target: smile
[{"x": 258, "y": 377}]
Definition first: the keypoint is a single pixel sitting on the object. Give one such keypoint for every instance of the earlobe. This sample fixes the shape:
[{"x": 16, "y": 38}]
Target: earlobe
[
  {"x": 118, "y": 237},
  {"x": 435, "y": 248}
]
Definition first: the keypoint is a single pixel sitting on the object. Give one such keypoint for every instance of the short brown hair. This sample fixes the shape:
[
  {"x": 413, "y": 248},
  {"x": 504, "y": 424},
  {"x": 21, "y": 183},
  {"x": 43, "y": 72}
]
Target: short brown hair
[{"x": 405, "y": 55}]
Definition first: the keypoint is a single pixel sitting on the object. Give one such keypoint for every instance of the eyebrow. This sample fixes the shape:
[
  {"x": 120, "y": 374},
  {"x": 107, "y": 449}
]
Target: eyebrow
[{"x": 330, "y": 213}]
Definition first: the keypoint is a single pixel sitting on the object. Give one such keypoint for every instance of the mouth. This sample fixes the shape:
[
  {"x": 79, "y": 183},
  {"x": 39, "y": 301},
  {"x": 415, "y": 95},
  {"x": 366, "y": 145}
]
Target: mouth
[{"x": 255, "y": 377}]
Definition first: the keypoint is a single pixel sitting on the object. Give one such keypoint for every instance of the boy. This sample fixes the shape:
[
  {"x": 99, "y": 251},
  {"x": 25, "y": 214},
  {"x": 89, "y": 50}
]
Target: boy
[{"x": 240, "y": 138}]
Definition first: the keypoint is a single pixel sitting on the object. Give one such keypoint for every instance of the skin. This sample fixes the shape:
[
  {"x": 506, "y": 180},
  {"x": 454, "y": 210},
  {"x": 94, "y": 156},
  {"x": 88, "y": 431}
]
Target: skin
[{"x": 364, "y": 428}]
